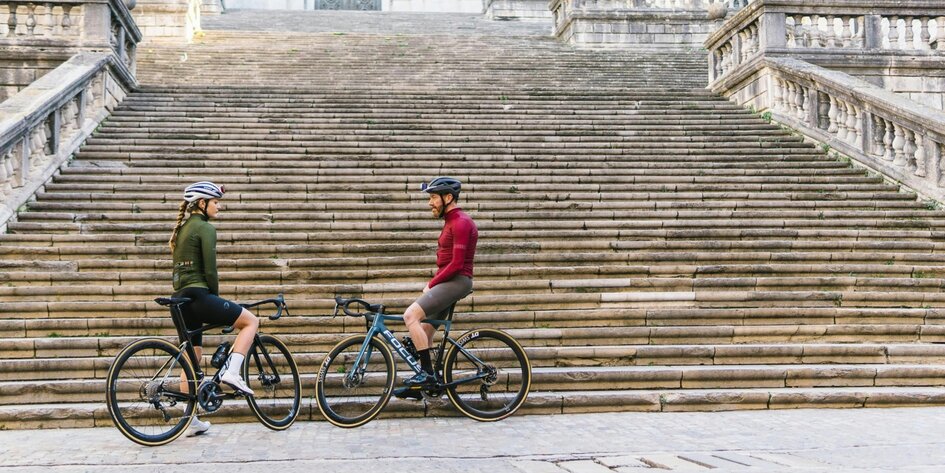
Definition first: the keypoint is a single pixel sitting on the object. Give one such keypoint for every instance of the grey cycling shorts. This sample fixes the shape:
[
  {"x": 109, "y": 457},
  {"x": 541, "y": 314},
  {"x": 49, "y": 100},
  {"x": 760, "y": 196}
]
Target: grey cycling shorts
[{"x": 438, "y": 300}]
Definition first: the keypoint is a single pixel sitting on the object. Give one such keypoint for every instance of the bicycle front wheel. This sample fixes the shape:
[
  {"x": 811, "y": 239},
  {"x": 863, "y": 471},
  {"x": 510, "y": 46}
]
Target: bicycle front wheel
[
  {"x": 492, "y": 373},
  {"x": 272, "y": 374},
  {"x": 352, "y": 387},
  {"x": 151, "y": 392}
]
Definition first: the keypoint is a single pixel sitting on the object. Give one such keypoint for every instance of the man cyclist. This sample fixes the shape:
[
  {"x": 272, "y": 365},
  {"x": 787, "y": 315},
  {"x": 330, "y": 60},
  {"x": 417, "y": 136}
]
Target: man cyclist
[{"x": 452, "y": 281}]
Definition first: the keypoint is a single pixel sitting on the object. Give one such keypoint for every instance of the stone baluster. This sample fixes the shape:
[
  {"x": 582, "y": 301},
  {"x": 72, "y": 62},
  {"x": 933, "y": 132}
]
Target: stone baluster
[
  {"x": 792, "y": 31},
  {"x": 889, "y": 152},
  {"x": 909, "y": 36},
  {"x": 846, "y": 34},
  {"x": 878, "y": 130},
  {"x": 11, "y": 20},
  {"x": 37, "y": 149},
  {"x": 920, "y": 156},
  {"x": 924, "y": 36},
  {"x": 893, "y": 32},
  {"x": 940, "y": 33},
  {"x": 6, "y": 171},
  {"x": 70, "y": 112},
  {"x": 48, "y": 22},
  {"x": 66, "y": 16},
  {"x": 823, "y": 108},
  {"x": 859, "y": 36},
  {"x": 908, "y": 147},
  {"x": 832, "y": 116},
  {"x": 30, "y": 19},
  {"x": 857, "y": 135},
  {"x": 830, "y": 35},
  {"x": 899, "y": 143},
  {"x": 842, "y": 120},
  {"x": 815, "y": 32},
  {"x": 797, "y": 98},
  {"x": 804, "y": 111}
]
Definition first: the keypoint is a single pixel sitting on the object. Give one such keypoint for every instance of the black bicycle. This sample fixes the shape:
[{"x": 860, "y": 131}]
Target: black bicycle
[
  {"x": 485, "y": 372},
  {"x": 155, "y": 386}
]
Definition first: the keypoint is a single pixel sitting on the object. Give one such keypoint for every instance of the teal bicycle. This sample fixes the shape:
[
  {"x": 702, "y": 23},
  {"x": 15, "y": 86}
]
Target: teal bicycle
[{"x": 485, "y": 372}]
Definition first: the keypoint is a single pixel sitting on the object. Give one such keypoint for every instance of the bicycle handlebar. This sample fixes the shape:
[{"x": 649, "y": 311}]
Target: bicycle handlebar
[
  {"x": 343, "y": 304},
  {"x": 279, "y": 301}
]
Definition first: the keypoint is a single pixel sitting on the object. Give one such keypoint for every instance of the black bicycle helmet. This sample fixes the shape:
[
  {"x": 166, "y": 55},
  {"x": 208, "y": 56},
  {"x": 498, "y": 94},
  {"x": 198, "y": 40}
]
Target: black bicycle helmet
[{"x": 442, "y": 185}]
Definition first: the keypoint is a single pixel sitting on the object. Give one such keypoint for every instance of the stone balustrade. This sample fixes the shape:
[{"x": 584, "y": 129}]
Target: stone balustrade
[
  {"x": 878, "y": 128},
  {"x": 768, "y": 57},
  {"x": 93, "y": 23},
  {"x": 886, "y": 132},
  {"x": 806, "y": 27},
  {"x": 644, "y": 23},
  {"x": 41, "y": 127},
  {"x": 39, "y": 36}
]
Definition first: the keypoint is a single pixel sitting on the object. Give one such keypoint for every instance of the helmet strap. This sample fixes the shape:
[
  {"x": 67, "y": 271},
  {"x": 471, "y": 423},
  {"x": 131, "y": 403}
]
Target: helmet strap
[{"x": 442, "y": 207}]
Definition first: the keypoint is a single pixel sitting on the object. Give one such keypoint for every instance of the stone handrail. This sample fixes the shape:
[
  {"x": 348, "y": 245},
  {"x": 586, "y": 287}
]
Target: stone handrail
[
  {"x": 881, "y": 129},
  {"x": 44, "y": 124},
  {"x": 808, "y": 26},
  {"x": 86, "y": 24},
  {"x": 647, "y": 4}
]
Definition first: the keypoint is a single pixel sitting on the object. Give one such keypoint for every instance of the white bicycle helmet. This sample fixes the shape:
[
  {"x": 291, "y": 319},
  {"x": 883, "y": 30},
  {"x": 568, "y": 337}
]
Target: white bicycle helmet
[{"x": 203, "y": 190}]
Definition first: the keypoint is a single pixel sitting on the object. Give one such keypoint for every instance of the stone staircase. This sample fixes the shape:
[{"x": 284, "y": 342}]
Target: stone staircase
[{"x": 653, "y": 246}]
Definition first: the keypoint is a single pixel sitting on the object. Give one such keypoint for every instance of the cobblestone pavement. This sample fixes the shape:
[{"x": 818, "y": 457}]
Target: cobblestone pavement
[{"x": 769, "y": 441}]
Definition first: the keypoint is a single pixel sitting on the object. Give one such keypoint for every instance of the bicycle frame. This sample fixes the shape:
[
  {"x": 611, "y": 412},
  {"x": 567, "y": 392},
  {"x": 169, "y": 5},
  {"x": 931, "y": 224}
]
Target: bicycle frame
[
  {"x": 378, "y": 327},
  {"x": 187, "y": 346}
]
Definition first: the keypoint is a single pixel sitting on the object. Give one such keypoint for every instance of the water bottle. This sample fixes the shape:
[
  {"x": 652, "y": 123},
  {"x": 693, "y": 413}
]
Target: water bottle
[
  {"x": 219, "y": 356},
  {"x": 411, "y": 348}
]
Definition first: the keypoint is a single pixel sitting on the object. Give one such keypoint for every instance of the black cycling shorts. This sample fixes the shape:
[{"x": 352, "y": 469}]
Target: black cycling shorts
[
  {"x": 438, "y": 300},
  {"x": 206, "y": 308}
]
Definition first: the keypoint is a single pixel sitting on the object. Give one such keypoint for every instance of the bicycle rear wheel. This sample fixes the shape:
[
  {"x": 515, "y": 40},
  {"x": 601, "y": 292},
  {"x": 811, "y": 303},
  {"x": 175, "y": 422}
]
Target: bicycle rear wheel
[
  {"x": 271, "y": 373},
  {"x": 349, "y": 393},
  {"x": 496, "y": 371},
  {"x": 144, "y": 393}
]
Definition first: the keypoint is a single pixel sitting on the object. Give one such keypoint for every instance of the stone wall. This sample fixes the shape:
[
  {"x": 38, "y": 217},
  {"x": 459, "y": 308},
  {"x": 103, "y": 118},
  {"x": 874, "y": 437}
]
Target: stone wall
[
  {"x": 523, "y": 10},
  {"x": 636, "y": 23},
  {"x": 168, "y": 20}
]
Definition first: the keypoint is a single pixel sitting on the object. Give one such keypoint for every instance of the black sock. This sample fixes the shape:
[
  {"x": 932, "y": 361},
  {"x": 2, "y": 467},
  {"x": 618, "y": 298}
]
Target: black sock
[{"x": 425, "y": 362}]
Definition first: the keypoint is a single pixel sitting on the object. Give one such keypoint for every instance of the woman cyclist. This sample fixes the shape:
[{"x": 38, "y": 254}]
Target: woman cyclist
[{"x": 193, "y": 244}]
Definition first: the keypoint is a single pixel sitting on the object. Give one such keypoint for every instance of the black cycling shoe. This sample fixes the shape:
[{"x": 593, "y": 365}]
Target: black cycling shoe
[
  {"x": 408, "y": 393},
  {"x": 421, "y": 380}
]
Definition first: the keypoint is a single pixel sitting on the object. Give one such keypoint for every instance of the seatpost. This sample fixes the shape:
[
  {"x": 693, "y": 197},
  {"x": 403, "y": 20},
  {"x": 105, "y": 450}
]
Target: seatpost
[{"x": 183, "y": 335}]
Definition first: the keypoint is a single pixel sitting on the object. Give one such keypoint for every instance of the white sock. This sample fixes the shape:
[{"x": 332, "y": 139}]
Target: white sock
[{"x": 235, "y": 363}]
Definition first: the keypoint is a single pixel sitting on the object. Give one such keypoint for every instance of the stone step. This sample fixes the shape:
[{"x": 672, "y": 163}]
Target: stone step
[
  {"x": 95, "y": 414},
  {"x": 35, "y": 320},
  {"x": 602, "y": 379},
  {"x": 52, "y": 344},
  {"x": 27, "y": 274}
]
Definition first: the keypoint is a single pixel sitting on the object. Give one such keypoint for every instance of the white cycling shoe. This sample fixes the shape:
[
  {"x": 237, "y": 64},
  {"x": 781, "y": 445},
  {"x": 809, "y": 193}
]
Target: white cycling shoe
[
  {"x": 197, "y": 427},
  {"x": 236, "y": 382}
]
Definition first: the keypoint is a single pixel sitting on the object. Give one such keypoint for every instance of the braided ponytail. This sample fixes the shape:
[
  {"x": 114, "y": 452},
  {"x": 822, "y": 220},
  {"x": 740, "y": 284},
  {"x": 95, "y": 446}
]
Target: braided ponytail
[{"x": 180, "y": 223}]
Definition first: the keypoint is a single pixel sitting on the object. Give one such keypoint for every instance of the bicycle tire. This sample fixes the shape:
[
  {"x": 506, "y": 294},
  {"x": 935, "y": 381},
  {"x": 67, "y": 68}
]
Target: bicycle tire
[
  {"x": 139, "y": 403},
  {"x": 273, "y": 375},
  {"x": 347, "y": 402},
  {"x": 476, "y": 353}
]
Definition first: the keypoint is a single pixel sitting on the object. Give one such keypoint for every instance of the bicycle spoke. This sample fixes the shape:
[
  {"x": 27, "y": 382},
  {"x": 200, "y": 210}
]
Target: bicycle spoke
[
  {"x": 146, "y": 396},
  {"x": 350, "y": 392},
  {"x": 272, "y": 374},
  {"x": 495, "y": 376}
]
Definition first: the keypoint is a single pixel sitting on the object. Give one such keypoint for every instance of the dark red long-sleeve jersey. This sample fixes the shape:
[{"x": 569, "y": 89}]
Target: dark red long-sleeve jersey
[{"x": 456, "y": 247}]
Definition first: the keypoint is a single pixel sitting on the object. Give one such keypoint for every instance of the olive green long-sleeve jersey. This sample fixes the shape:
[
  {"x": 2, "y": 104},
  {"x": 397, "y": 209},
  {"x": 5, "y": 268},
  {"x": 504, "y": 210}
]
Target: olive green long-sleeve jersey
[{"x": 195, "y": 255}]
